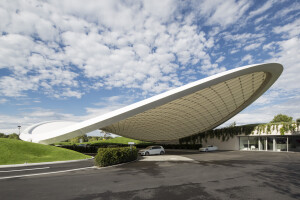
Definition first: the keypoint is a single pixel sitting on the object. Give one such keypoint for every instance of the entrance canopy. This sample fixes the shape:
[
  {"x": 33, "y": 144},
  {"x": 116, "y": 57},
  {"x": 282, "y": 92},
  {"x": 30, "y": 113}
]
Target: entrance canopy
[{"x": 181, "y": 112}]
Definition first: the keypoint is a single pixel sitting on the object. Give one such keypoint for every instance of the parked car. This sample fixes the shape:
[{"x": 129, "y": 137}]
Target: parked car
[
  {"x": 209, "y": 148},
  {"x": 152, "y": 150}
]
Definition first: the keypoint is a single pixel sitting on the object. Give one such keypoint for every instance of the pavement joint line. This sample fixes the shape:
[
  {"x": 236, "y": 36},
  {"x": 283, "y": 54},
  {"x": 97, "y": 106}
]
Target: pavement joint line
[
  {"x": 19, "y": 170},
  {"x": 46, "y": 173}
]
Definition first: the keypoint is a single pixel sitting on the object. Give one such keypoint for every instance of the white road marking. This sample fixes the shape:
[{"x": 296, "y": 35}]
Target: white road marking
[
  {"x": 46, "y": 173},
  {"x": 19, "y": 170}
]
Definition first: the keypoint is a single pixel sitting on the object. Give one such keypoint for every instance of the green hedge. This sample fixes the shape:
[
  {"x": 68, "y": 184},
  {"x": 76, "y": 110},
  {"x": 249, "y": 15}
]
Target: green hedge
[
  {"x": 113, "y": 156},
  {"x": 94, "y": 148}
]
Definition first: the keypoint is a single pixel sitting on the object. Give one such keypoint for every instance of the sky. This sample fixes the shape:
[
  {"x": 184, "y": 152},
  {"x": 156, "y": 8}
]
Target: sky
[{"x": 73, "y": 60}]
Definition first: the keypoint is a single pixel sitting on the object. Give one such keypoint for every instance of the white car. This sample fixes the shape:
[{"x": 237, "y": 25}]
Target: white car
[
  {"x": 152, "y": 150},
  {"x": 209, "y": 148}
]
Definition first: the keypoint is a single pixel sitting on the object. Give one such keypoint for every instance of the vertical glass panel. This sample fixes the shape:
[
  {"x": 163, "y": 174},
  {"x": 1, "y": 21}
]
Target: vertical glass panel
[
  {"x": 269, "y": 143},
  {"x": 280, "y": 144},
  {"x": 261, "y": 143},
  {"x": 294, "y": 143},
  {"x": 244, "y": 143},
  {"x": 253, "y": 143}
]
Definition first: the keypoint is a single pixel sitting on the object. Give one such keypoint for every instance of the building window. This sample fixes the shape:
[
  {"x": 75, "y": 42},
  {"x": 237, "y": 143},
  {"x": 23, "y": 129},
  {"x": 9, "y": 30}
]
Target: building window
[
  {"x": 253, "y": 143},
  {"x": 244, "y": 143},
  {"x": 280, "y": 144}
]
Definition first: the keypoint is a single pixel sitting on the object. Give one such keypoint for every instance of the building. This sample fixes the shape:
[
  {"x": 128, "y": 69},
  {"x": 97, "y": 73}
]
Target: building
[
  {"x": 266, "y": 137},
  {"x": 196, "y": 107}
]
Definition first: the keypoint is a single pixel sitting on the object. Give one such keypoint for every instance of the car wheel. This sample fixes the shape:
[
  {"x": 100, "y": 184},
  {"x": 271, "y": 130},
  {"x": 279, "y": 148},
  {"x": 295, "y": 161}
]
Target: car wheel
[
  {"x": 147, "y": 154},
  {"x": 162, "y": 153}
]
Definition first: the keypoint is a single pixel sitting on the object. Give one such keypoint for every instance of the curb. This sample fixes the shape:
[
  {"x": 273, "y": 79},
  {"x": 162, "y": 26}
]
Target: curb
[{"x": 44, "y": 163}]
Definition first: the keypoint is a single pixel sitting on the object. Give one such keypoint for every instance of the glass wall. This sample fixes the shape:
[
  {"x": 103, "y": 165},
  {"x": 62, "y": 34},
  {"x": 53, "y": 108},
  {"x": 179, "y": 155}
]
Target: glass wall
[
  {"x": 262, "y": 143},
  {"x": 280, "y": 144},
  {"x": 269, "y": 143},
  {"x": 253, "y": 143},
  {"x": 244, "y": 143},
  {"x": 294, "y": 143}
]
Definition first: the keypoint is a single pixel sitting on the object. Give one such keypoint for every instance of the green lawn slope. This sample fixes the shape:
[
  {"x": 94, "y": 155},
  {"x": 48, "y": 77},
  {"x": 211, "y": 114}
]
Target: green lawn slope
[{"x": 18, "y": 152}]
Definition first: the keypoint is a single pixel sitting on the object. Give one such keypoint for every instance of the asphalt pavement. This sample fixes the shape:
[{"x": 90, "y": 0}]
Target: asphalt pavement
[
  {"x": 176, "y": 175},
  {"x": 42, "y": 169}
]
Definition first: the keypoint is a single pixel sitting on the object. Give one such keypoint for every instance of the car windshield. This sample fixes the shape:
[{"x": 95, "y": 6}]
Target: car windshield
[{"x": 148, "y": 147}]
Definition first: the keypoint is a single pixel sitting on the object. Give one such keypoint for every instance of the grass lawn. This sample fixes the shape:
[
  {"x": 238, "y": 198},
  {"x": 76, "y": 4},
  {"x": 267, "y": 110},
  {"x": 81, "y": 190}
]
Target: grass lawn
[{"x": 18, "y": 152}]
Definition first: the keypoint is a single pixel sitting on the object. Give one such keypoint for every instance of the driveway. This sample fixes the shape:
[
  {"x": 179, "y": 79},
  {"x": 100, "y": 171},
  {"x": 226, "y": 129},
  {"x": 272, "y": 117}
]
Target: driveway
[{"x": 176, "y": 175}]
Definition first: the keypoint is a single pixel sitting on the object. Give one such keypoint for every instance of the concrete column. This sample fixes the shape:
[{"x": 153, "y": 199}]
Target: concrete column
[
  {"x": 259, "y": 144},
  {"x": 266, "y": 144},
  {"x": 248, "y": 145},
  {"x": 287, "y": 143},
  {"x": 274, "y": 144}
]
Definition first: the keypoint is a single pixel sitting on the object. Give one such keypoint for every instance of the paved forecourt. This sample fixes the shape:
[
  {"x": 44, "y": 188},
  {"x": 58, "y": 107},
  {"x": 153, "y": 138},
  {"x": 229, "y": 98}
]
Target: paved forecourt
[{"x": 182, "y": 175}]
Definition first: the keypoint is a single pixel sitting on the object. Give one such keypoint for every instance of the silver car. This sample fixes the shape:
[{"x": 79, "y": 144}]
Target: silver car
[
  {"x": 152, "y": 150},
  {"x": 209, "y": 148}
]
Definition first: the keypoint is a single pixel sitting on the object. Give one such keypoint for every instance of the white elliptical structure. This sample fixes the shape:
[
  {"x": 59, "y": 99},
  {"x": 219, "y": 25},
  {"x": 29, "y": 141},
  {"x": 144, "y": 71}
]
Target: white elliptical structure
[{"x": 181, "y": 112}]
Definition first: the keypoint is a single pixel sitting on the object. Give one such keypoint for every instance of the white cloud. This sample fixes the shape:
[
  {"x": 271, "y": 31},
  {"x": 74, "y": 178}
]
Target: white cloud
[
  {"x": 288, "y": 56},
  {"x": 262, "y": 9},
  {"x": 265, "y": 114},
  {"x": 260, "y": 19},
  {"x": 65, "y": 49},
  {"x": 2, "y": 101},
  {"x": 38, "y": 114},
  {"x": 247, "y": 58},
  {"x": 114, "y": 44},
  {"x": 221, "y": 12},
  {"x": 287, "y": 53},
  {"x": 287, "y": 10},
  {"x": 290, "y": 30},
  {"x": 220, "y": 59},
  {"x": 251, "y": 46},
  {"x": 267, "y": 98},
  {"x": 283, "y": 96},
  {"x": 244, "y": 37}
]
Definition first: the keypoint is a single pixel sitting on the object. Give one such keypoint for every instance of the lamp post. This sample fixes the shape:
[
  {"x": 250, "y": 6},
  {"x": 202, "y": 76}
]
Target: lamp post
[{"x": 19, "y": 127}]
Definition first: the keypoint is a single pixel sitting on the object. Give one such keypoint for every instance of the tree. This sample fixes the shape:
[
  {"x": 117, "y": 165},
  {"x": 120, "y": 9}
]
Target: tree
[
  {"x": 281, "y": 118},
  {"x": 233, "y": 124},
  {"x": 14, "y": 136}
]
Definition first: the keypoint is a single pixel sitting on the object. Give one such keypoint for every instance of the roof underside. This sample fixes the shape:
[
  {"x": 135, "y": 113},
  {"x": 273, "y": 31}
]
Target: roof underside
[{"x": 197, "y": 112}]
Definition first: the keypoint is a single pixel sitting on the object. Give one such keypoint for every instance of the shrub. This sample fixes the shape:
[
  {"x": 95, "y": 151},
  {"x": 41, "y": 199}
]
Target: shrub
[{"x": 116, "y": 155}]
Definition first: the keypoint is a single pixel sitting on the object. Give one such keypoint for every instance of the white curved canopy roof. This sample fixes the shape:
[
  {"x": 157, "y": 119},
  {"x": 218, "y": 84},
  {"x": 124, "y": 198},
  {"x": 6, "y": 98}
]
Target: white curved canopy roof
[{"x": 181, "y": 112}]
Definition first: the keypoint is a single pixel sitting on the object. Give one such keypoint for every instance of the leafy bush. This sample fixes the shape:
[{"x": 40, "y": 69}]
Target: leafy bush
[{"x": 113, "y": 156}]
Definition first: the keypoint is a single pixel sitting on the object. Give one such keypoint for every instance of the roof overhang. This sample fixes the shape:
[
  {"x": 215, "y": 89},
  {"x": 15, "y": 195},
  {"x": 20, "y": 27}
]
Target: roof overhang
[{"x": 181, "y": 112}]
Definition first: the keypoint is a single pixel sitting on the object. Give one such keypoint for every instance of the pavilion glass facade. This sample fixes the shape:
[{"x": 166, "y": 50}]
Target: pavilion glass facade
[{"x": 270, "y": 143}]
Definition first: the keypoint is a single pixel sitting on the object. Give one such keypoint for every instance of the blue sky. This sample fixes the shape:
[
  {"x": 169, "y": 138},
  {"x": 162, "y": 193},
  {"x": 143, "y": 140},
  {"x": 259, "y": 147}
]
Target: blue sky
[{"x": 72, "y": 60}]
